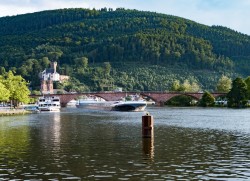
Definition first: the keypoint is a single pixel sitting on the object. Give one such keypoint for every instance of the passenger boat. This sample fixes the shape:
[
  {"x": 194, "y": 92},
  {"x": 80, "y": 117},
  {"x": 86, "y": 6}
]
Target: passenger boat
[
  {"x": 92, "y": 103},
  {"x": 49, "y": 103}
]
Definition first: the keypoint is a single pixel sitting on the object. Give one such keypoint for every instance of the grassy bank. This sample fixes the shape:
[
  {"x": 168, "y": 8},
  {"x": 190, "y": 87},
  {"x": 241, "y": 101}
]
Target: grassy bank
[{"x": 10, "y": 112}]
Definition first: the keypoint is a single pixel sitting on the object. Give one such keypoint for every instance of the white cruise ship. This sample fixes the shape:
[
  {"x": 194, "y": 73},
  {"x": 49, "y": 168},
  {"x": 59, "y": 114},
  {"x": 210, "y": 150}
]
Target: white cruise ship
[{"x": 49, "y": 103}]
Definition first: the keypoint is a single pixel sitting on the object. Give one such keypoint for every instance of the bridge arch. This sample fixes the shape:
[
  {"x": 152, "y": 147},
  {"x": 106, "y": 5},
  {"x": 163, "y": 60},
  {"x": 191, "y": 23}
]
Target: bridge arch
[
  {"x": 161, "y": 97},
  {"x": 182, "y": 100}
]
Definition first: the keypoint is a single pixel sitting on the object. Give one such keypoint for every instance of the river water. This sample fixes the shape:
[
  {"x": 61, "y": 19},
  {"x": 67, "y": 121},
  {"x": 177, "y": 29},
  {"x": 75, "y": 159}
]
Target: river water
[{"x": 77, "y": 144}]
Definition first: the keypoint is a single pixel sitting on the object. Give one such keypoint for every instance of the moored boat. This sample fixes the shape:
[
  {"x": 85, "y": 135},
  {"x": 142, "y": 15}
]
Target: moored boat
[
  {"x": 72, "y": 103},
  {"x": 49, "y": 103},
  {"x": 92, "y": 103},
  {"x": 31, "y": 108}
]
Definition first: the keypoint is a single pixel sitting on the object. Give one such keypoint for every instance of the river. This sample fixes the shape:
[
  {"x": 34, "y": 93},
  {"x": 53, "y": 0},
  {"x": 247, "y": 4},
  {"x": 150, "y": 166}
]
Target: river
[{"x": 77, "y": 144}]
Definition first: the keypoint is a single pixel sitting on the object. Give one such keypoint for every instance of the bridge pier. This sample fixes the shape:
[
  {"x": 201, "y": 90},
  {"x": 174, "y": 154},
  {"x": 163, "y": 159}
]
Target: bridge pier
[
  {"x": 63, "y": 104},
  {"x": 159, "y": 104}
]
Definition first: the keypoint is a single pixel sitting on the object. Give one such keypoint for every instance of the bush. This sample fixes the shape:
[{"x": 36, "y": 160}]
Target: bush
[{"x": 207, "y": 100}]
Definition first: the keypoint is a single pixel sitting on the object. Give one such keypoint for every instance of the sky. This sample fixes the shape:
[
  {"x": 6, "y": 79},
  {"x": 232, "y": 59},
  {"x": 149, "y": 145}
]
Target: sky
[{"x": 233, "y": 14}]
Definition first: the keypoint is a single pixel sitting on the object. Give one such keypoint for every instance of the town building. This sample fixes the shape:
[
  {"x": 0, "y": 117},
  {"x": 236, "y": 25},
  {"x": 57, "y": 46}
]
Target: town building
[{"x": 48, "y": 76}]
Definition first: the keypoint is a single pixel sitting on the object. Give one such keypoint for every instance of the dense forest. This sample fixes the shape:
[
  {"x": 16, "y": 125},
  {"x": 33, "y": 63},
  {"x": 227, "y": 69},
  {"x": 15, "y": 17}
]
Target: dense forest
[{"x": 106, "y": 48}]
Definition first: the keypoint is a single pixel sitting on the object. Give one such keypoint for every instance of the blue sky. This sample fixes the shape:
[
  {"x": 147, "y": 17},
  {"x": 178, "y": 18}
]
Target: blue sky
[{"x": 230, "y": 13}]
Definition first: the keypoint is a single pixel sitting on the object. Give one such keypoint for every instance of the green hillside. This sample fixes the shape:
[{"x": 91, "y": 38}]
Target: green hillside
[{"x": 145, "y": 49}]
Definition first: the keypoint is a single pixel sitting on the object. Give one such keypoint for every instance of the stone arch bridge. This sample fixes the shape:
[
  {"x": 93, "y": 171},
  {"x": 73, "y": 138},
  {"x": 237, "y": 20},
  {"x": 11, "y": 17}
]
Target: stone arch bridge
[{"x": 158, "y": 97}]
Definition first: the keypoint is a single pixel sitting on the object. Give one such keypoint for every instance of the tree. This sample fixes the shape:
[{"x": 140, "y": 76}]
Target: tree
[
  {"x": 207, "y": 100},
  {"x": 45, "y": 62},
  {"x": 175, "y": 85},
  {"x": 195, "y": 87},
  {"x": 55, "y": 55},
  {"x": 224, "y": 84},
  {"x": 186, "y": 86},
  {"x": 82, "y": 62},
  {"x": 181, "y": 100},
  {"x": 107, "y": 68},
  {"x": 4, "y": 93},
  {"x": 237, "y": 96},
  {"x": 18, "y": 88},
  {"x": 2, "y": 71},
  {"x": 74, "y": 85},
  {"x": 247, "y": 81},
  {"x": 85, "y": 62}
]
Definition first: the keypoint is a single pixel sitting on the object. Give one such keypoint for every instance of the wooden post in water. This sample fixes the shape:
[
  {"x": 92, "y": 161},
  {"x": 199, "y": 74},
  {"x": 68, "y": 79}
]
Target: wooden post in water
[{"x": 147, "y": 126}]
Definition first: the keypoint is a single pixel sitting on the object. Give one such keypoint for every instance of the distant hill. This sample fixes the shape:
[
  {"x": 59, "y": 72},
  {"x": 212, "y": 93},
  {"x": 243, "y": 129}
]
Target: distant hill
[{"x": 121, "y": 37}]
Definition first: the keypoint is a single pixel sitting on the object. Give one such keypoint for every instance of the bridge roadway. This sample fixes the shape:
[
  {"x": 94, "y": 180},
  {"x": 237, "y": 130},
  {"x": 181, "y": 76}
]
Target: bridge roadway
[{"x": 158, "y": 97}]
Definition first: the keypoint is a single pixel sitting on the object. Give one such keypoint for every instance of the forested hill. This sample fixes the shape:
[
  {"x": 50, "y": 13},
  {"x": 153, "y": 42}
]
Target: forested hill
[{"x": 118, "y": 36}]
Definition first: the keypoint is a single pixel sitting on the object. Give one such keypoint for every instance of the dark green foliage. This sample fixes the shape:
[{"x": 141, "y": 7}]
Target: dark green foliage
[
  {"x": 247, "y": 81},
  {"x": 237, "y": 96},
  {"x": 81, "y": 40},
  {"x": 207, "y": 100},
  {"x": 148, "y": 77},
  {"x": 73, "y": 85},
  {"x": 181, "y": 101}
]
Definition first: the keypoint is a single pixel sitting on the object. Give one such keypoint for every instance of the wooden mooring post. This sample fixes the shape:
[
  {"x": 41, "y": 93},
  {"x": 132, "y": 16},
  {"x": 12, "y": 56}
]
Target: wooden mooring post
[{"x": 147, "y": 126}]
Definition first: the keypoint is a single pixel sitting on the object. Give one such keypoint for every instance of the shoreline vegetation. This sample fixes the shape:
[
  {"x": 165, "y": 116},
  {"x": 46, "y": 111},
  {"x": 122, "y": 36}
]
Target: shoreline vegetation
[{"x": 13, "y": 112}]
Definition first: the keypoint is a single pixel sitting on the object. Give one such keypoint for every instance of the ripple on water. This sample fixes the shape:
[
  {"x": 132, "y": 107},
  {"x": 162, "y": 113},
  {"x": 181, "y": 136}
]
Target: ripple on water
[
  {"x": 188, "y": 144},
  {"x": 71, "y": 178}
]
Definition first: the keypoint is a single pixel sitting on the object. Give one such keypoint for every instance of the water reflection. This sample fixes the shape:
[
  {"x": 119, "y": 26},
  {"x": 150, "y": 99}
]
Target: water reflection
[
  {"x": 56, "y": 130},
  {"x": 148, "y": 147},
  {"x": 14, "y": 143},
  {"x": 80, "y": 145}
]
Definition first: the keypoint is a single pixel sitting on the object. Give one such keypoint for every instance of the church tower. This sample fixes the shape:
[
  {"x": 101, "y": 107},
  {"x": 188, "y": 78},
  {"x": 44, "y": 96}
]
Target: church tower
[{"x": 53, "y": 65}]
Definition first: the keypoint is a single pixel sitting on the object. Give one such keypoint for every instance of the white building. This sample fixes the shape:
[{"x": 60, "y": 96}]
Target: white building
[
  {"x": 48, "y": 76},
  {"x": 50, "y": 73}
]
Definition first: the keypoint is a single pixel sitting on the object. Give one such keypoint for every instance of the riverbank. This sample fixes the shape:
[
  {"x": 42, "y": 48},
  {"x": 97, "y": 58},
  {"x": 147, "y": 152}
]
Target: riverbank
[{"x": 10, "y": 112}]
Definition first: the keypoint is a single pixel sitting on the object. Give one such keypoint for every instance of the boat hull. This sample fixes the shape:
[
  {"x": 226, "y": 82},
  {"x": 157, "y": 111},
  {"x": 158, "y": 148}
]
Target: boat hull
[
  {"x": 129, "y": 106},
  {"x": 49, "y": 108}
]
